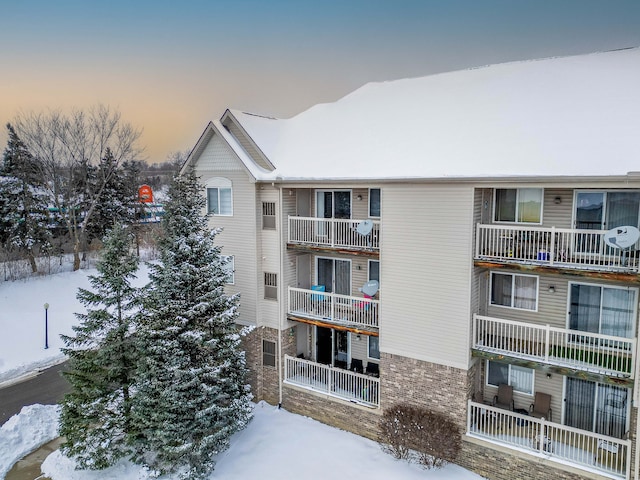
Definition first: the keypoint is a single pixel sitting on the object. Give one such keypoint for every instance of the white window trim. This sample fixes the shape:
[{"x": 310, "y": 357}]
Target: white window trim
[
  {"x": 533, "y": 379},
  {"x": 517, "y": 189},
  {"x": 368, "y": 350},
  {"x": 219, "y": 183},
  {"x": 334, "y": 264},
  {"x": 369, "y": 202},
  {"x": 325, "y": 190},
  {"x": 606, "y": 192},
  {"x": 602, "y": 285},
  {"x": 230, "y": 268},
  {"x": 513, "y": 275}
]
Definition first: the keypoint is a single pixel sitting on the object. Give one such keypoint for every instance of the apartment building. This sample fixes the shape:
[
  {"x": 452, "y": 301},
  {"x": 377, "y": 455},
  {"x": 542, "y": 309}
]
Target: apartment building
[{"x": 464, "y": 241}]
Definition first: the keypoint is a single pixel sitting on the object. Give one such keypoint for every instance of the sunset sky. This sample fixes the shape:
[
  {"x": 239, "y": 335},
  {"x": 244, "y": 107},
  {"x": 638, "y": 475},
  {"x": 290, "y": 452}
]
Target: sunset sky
[{"x": 171, "y": 66}]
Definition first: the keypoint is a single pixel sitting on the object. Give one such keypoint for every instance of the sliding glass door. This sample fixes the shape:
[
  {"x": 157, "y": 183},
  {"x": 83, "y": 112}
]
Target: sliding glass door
[
  {"x": 334, "y": 274},
  {"x": 596, "y": 407},
  {"x": 603, "y": 310}
]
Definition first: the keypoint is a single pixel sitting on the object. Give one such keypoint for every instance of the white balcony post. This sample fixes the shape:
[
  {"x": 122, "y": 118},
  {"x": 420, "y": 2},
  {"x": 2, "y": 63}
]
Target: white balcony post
[
  {"x": 477, "y": 239},
  {"x": 552, "y": 246},
  {"x": 547, "y": 335}
]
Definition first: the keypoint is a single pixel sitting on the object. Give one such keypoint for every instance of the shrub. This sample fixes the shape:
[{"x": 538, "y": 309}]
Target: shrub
[{"x": 417, "y": 433}]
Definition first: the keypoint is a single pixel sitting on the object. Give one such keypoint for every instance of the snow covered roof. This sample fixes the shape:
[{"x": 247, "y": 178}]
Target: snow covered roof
[{"x": 564, "y": 116}]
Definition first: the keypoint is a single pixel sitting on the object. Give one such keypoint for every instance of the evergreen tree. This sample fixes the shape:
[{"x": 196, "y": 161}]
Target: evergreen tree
[
  {"x": 95, "y": 418},
  {"x": 118, "y": 197},
  {"x": 24, "y": 215},
  {"x": 191, "y": 394}
]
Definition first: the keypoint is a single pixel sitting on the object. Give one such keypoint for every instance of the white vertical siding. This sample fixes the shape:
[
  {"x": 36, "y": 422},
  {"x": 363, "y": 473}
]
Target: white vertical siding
[{"x": 426, "y": 256}]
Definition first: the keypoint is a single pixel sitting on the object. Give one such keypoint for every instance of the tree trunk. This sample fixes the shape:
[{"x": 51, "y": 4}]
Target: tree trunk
[
  {"x": 76, "y": 255},
  {"x": 32, "y": 261}
]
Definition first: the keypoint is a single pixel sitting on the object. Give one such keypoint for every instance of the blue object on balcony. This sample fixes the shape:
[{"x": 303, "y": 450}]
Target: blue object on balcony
[
  {"x": 542, "y": 255},
  {"x": 317, "y": 297}
]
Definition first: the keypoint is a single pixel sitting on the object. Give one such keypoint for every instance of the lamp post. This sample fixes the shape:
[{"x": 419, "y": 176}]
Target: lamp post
[{"x": 46, "y": 325}]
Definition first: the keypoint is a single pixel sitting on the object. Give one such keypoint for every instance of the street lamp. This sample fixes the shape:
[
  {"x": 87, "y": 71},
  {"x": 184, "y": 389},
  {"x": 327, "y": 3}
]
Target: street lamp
[{"x": 46, "y": 325}]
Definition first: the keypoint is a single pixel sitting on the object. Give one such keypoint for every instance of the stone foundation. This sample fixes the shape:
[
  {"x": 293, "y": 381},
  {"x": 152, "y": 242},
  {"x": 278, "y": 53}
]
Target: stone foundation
[
  {"x": 499, "y": 463},
  {"x": 345, "y": 415}
]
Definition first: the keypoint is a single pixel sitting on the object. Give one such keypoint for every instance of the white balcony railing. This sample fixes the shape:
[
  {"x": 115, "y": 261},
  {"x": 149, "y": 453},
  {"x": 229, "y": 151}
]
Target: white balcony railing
[
  {"x": 344, "y": 384},
  {"x": 562, "y": 247},
  {"x": 587, "y": 450},
  {"x": 333, "y": 232},
  {"x": 339, "y": 309},
  {"x": 605, "y": 354}
]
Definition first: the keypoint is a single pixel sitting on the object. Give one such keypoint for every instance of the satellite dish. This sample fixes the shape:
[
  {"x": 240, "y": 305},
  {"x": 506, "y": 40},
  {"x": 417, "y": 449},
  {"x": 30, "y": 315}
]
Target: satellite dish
[
  {"x": 622, "y": 237},
  {"x": 370, "y": 288},
  {"x": 364, "y": 227}
]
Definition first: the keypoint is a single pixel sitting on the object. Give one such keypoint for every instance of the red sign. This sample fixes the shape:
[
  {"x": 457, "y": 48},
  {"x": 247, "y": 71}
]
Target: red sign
[{"x": 145, "y": 194}]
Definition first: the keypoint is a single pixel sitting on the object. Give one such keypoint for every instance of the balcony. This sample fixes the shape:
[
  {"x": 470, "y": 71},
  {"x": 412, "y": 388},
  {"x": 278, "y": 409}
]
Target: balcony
[
  {"x": 336, "y": 382},
  {"x": 353, "y": 313},
  {"x": 334, "y": 234},
  {"x": 590, "y": 352},
  {"x": 596, "y": 453},
  {"x": 553, "y": 247}
]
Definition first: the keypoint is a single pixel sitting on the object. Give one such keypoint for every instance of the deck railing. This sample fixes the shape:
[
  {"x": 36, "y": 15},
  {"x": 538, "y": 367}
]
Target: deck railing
[
  {"x": 604, "y": 354},
  {"x": 562, "y": 247},
  {"x": 333, "y": 232},
  {"x": 339, "y": 309},
  {"x": 344, "y": 384},
  {"x": 591, "y": 451}
]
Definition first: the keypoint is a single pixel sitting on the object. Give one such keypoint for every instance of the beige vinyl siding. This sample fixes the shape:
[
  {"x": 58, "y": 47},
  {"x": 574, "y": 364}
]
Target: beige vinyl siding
[
  {"x": 426, "y": 272},
  {"x": 557, "y": 214},
  {"x": 269, "y": 258},
  {"x": 288, "y": 208},
  {"x": 238, "y": 237}
]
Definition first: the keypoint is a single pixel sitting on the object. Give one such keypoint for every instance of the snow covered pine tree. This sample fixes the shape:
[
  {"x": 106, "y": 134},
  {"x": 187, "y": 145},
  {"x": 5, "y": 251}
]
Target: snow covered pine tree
[
  {"x": 95, "y": 415},
  {"x": 191, "y": 394}
]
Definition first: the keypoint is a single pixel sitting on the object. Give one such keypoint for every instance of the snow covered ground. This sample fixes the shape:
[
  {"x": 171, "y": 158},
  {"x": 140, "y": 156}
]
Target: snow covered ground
[{"x": 275, "y": 445}]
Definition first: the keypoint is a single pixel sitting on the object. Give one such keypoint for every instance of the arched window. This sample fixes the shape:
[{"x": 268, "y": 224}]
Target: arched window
[{"x": 219, "y": 196}]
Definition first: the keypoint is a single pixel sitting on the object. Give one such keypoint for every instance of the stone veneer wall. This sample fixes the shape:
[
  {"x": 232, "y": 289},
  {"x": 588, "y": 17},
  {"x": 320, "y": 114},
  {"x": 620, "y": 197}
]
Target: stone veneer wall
[{"x": 437, "y": 387}]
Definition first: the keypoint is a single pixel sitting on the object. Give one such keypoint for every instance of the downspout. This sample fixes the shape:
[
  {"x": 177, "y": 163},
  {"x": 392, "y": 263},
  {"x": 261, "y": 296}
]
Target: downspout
[
  {"x": 635, "y": 404},
  {"x": 280, "y": 295}
]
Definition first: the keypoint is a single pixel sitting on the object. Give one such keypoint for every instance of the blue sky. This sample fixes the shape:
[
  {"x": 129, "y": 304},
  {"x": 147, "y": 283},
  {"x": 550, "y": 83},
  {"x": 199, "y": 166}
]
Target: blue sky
[{"x": 171, "y": 66}]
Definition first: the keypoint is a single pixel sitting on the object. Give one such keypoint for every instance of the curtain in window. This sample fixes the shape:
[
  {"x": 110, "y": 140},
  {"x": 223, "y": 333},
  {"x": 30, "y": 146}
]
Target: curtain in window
[
  {"x": 506, "y": 205},
  {"x": 622, "y": 209},
  {"x": 343, "y": 277},
  {"x": 617, "y": 312},
  {"x": 611, "y": 411},
  {"x": 585, "y": 308},
  {"x": 225, "y": 201},
  {"x": 525, "y": 292},
  {"x": 212, "y": 200},
  {"x": 529, "y": 205},
  {"x": 521, "y": 379},
  {"x": 501, "y": 289},
  {"x": 579, "y": 408},
  {"x": 498, "y": 373}
]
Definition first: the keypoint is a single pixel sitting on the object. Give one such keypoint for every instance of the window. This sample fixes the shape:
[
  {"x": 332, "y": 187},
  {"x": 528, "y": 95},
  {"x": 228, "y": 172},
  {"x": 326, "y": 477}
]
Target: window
[
  {"x": 268, "y": 353},
  {"x": 520, "y": 378},
  {"x": 374, "y": 202},
  {"x": 333, "y": 204},
  {"x": 229, "y": 268},
  {"x": 514, "y": 291},
  {"x": 271, "y": 286},
  {"x": 603, "y": 310},
  {"x": 374, "y": 270},
  {"x": 607, "y": 210},
  {"x": 269, "y": 215},
  {"x": 373, "y": 347},
  {"x": 519, "y": 205},
  {"x": 219, "y": 197}
]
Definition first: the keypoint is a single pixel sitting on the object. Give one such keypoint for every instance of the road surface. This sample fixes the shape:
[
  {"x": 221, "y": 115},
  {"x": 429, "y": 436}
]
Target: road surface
[{"x": 46, "y": 388}]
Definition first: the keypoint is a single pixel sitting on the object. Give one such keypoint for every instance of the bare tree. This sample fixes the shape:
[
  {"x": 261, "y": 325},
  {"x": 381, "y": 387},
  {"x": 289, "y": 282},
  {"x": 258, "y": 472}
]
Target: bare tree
[{"x": 67, "y": 148}]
